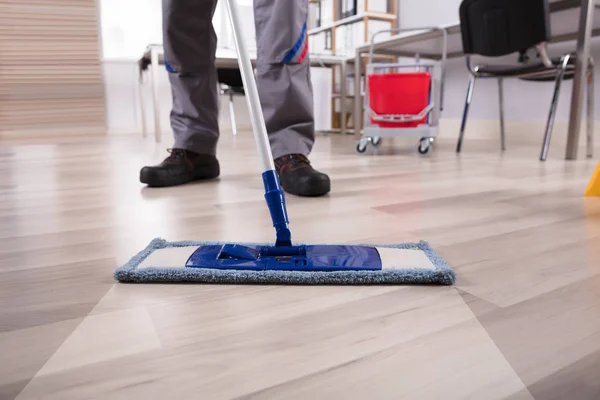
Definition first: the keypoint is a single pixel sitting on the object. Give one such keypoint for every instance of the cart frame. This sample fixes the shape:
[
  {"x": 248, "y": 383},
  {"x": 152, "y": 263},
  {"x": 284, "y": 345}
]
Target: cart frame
[{"x": 372, "y": 133}]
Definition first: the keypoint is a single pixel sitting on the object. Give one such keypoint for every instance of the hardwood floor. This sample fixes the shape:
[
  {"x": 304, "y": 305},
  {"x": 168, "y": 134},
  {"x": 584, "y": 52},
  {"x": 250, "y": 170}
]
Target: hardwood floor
[{"x": 522, "y": 322}]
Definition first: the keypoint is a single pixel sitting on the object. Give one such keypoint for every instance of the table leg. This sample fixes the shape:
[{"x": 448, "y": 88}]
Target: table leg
[
  {"x": 343, "y": 97},
  {"x": 586, "y": 20},
  {"x": 357, "y": 115},
  {"x": 155, "y": 66},
  {"x": 142, "y": 104},
  {"x": 590, "y": 112}
]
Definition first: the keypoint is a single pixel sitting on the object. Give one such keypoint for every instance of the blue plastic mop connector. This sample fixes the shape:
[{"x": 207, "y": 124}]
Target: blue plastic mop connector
[
  {"x": 276, "y": 202},
  {"x": 306, "y": 258}
]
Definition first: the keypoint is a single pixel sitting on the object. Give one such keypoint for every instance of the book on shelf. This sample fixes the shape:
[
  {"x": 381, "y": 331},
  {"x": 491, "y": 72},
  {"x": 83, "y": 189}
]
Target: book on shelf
[
  {"x": 326, "y": 12},
  {"x": 320, "y": 43},
  {"x": 314, "y": 15},
  {"x": 380, "y": 6},
  {"x": 349, "y": 36},
  {"x": 349, "y": 8}
]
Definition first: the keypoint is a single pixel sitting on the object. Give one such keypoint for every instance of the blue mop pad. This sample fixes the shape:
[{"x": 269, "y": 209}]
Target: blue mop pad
[{"x": 143, "y": 269}]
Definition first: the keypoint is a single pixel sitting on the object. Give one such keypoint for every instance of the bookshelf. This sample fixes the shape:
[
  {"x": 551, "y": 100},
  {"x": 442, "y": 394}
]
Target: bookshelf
[{"x": 337, "y": 27}]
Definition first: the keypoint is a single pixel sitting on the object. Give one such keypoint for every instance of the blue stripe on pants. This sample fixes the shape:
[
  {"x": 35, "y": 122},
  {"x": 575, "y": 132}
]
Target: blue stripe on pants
[{"x": 292, "y": 53}]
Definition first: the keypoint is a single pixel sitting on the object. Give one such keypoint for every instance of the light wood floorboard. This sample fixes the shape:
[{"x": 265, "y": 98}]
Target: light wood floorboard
[{"x": 522, "y": 322}]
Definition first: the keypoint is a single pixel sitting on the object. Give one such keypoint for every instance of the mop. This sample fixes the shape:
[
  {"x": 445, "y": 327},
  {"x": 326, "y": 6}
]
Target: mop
[{"x": 283, "y": 262}]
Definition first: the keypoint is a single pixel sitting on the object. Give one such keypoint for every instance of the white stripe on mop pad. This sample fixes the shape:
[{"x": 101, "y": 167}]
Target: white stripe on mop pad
[
  {"x": 169, "y": 257},
  {"x": 391, "y": 258},
  {"x": 404, "y": 259}
]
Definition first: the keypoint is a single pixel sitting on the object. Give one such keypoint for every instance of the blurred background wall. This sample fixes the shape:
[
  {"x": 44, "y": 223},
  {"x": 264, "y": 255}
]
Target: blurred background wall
[{"x": 50, "y": 68}]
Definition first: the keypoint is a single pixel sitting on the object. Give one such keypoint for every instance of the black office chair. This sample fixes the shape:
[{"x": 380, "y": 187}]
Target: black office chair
[
  {"x": 495, "y": 28},
  {"x": 230, "y": 83}
]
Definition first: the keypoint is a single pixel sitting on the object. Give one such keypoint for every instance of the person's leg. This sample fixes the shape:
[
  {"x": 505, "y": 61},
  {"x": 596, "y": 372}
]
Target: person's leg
[
  {"x": 286, "y": 95},
  {"x": 189, "y": 42}
]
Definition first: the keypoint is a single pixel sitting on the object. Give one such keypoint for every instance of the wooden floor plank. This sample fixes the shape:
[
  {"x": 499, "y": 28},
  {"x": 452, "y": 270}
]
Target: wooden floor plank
[{"x": 521, "y": 322}]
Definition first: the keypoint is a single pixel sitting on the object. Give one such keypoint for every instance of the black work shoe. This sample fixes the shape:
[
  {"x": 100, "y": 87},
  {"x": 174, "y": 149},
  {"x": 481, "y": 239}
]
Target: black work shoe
[
  {"x": 298, "y": 177},
  {"x": 182, "y": 166}
]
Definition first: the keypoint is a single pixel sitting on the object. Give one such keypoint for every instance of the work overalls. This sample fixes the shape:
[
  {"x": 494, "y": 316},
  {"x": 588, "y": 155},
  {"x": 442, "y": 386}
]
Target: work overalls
[{"x": 282, "y": 72}]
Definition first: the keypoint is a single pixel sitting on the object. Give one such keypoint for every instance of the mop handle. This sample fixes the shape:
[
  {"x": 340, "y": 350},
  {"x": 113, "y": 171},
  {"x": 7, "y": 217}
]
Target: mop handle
[
  {"x": 256, "y": 115},
  {"x": 273, "y": 193}
]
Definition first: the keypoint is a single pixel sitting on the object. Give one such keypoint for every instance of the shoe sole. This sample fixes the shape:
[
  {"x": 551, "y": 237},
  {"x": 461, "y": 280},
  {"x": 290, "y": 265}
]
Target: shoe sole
[
  {"x": 158, "y": 182},
  {"x": 312, "y": 192},
  {"x": 175, "y": 181}
]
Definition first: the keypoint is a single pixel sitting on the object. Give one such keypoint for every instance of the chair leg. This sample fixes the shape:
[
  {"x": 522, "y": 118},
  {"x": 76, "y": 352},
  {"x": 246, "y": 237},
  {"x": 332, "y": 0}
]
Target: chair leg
[
  {"x": 232, "y": 114},
  {"x": 501, "y": 101},
  {"x": 142, "y": 105},
  {"x": 220, "y": 93},
  {"x": 463, "y": 125},
  {"x": 553, "y": 105},
  {"x": 590, "y": 111}
]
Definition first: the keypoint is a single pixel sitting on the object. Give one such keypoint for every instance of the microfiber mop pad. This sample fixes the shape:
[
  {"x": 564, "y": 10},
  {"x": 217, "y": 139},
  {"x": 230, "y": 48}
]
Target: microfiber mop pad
[{"x": 164, "y": 262}]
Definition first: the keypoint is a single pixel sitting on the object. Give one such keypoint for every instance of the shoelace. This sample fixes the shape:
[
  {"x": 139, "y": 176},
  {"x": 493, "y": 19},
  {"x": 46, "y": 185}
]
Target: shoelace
[
  {"x": 299, "y": 158},
  {"x": 176, "y": 154},
  {"x": 291, "y": 160}
]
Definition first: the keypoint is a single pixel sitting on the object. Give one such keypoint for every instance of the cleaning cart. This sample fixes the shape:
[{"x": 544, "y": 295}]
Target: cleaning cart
[{"x": 403, "y": 99}]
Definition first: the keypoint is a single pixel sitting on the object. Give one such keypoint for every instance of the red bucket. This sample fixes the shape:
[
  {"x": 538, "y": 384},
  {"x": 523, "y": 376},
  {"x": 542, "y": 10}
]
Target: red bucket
[{"x": 399, "y": 93}]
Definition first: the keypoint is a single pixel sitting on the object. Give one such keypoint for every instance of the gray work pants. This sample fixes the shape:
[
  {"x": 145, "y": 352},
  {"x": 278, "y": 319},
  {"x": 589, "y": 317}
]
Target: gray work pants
[{"x": 282, "y": 72}]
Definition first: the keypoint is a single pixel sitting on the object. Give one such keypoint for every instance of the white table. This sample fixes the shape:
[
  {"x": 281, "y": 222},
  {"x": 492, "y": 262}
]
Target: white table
[
  {"x": 227, "y": 58},
  {"x": 426, "y": 43}
]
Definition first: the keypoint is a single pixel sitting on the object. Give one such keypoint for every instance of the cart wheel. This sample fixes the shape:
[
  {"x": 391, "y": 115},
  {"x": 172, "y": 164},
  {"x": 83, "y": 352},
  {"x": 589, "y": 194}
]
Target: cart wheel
[
  {"x": 425, "y": 145},
  {"x": 361, "y": 146},
  {"x": 376, "y": 141}
]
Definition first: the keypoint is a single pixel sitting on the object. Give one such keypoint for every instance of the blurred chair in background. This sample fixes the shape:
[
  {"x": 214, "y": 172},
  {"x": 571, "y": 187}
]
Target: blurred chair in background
[
  {"x": 496, "y": 28},
  {"x": 230, "y": 83}
]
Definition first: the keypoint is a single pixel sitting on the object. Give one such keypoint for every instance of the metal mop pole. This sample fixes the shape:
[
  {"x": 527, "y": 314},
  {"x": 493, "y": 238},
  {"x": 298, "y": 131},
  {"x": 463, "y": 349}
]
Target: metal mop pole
[{"x": 273, "y": 193}]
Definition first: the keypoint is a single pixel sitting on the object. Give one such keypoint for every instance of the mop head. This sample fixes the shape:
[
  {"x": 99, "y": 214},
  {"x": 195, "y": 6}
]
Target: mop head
[{"x": 169, "y": 262}]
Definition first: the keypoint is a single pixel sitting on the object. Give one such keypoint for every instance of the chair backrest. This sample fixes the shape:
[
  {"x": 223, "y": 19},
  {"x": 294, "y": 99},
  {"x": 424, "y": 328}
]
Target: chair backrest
[
  {"x": 496, "y": 28},
  {"x": 231, "y": 77}
]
